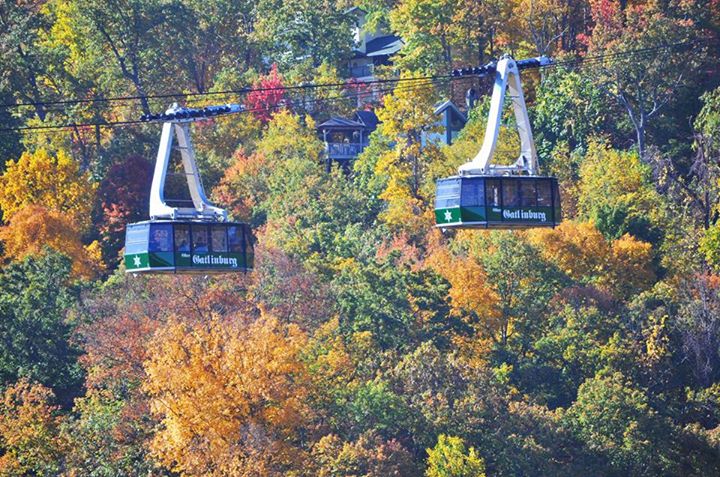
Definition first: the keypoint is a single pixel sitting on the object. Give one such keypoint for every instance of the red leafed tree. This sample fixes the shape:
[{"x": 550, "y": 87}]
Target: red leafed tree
[
  {"x": 124, "y": 194},
  {"x": 267, "y": 96}
]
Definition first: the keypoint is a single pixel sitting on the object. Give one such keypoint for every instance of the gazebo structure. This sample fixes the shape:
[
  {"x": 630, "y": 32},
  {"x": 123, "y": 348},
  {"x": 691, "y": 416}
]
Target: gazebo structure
[{"x": 345, "y": 138}]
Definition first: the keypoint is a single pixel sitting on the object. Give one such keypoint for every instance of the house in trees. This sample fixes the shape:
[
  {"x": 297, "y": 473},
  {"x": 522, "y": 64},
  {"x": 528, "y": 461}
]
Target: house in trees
[
  {"x": 346, "y": 138},
  {"x": 449, "y": 123},
  {"x": 372, "y": 48}
]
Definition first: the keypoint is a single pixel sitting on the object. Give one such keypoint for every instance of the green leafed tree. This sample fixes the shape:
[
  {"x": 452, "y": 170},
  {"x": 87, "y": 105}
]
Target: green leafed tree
[
  {"x": 450, "y": 458},
  {"x": 614, "y": 418},
  {"x": 616, "y": 192},
  {"x": 645, "y": 86},
  {"x": 34, "y": 336},
  {"x": 293, "y": 31}
]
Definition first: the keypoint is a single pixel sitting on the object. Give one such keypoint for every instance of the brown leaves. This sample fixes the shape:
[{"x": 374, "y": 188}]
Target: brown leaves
[{"x": 369, "y": 456}]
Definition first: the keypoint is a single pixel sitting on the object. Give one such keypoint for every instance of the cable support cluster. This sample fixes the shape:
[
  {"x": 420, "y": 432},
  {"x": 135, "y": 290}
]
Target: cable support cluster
[{"x": 189, "y": 114}]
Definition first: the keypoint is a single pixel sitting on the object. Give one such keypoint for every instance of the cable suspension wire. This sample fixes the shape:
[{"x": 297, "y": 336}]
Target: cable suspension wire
[
  {"x": 427, "y": 84},
  {"x": 457, "y": 74},
  {"x": 241, "y": 91},
  {"x": 342, "y": 84},
  {"x": 588, "y": 60}
]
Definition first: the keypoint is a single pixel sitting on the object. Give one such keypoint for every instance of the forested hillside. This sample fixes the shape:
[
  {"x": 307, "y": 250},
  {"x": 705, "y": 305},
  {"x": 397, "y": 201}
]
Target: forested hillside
[{"x": 366, "y": 342}]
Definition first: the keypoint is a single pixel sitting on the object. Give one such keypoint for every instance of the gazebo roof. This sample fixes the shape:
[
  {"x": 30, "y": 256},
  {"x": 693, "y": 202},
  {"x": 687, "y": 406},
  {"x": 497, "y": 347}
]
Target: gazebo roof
[
  {"x": 341, "y": 123},
  {"x": 368, "y": 119}
]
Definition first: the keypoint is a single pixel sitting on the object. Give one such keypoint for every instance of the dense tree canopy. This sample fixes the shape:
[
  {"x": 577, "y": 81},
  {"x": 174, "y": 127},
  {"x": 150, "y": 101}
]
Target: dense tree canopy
[{"x": 365, "y": 342}]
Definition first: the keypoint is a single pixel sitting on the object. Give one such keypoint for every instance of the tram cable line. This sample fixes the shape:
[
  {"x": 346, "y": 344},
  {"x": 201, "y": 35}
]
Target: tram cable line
[
  {"x": 353, "y": 95},
  {"x": 461, "y": 73},
  {"x": 577, "y": 63},
  {"x": 345, "y": 84},
  {"x": 241, "y": 91}
]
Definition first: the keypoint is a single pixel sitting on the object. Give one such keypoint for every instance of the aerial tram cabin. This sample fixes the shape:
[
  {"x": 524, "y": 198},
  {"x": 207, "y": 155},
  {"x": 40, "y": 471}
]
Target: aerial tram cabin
[
  {"x": 190, "y": 239},
  {"x": 490, "y": 196},
  {"x": 497, "y": 202},
  {"x": 172, "y": 246}
]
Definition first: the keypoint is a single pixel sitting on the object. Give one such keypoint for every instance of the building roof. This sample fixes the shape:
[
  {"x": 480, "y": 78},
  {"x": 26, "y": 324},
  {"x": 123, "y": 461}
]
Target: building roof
[
  {"x": 383, "y": 45},
  {"x": 440, "y": 108},
  {"x": 368, "y": 119}
]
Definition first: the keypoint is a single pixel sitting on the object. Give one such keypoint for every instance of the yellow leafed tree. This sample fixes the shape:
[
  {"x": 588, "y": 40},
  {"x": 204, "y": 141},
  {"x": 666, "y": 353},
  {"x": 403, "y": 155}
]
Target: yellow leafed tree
[
  {"x": 231, "y": 397},
  {"x": 407, "y": 117},
  {"x": 51, "y": 181},
  {"x": 29, "y": 431},
  {"x": 577, "y": 248},
  {"x": 622, "y": 266}
]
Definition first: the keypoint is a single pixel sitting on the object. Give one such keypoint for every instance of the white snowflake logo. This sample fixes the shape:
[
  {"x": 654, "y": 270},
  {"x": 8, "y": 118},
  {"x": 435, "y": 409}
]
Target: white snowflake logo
[
  {"x": 136, "y": 260},
  {"x": 448, "y": 216}
]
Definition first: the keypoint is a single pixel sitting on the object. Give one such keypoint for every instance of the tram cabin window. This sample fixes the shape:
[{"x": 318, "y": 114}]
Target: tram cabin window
[
  {"x": 200, "y": 238},
  {"x": 448, "y": 194},
  {"x": 235, "y": 238},
  {"x": 473, "y": 192},
  {"x": 219, "y": 238},
  {"x": 160, "y": 238},
  {"x": 492, "y": 193},
  {"x": 510, "y": 193},
  {"x": 528, "y": 196},
  {"x": 136, "y": 240},
  {"x": 544, "y": 194},
  {"x": 182, "y": 238}
]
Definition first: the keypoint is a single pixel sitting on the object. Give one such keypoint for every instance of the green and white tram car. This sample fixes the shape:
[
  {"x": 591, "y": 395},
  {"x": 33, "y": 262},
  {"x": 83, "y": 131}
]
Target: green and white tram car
[
  {"x": 188, "y": 247},
  {"x": 494, "y": 196},
  {"x": 501, "y": 202},
  {"x": 186, "y": 239}
]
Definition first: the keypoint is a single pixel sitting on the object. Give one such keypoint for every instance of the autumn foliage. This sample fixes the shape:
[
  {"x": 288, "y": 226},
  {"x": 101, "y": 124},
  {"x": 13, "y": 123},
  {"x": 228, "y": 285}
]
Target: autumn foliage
[
  {"x": 34, "y": 228},
  {"x": 124, "y": 196},
  {"x": 242, "y": 398},
  {"x": 268, "y": 95},
  {"x": 366, "y": 341},
  {"x": 51, "y": 181}
]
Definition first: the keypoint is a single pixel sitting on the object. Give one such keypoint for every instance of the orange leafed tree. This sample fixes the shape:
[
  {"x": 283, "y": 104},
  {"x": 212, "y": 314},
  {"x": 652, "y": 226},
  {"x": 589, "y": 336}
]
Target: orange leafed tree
[
  {"x": 632, "y": 269},
  {"x": 242, "y": 187},
  {"x": 578, "y": 249},
  {"x": 231, "y": 396},
  {"x": 29, "y": 431},
  {"x": 622, "y": 266},
  {"x": 471, "y": 297},
  {"x": 34, "y": 228}
]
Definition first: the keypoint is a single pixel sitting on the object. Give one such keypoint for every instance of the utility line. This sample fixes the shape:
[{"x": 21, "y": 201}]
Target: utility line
[{"x": 241, "y": 91}]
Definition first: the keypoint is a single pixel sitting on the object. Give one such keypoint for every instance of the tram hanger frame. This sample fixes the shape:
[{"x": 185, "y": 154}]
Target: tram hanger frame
[
  {"x": 202, "y": 209},
  {"x": 507, "y": 78}
]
